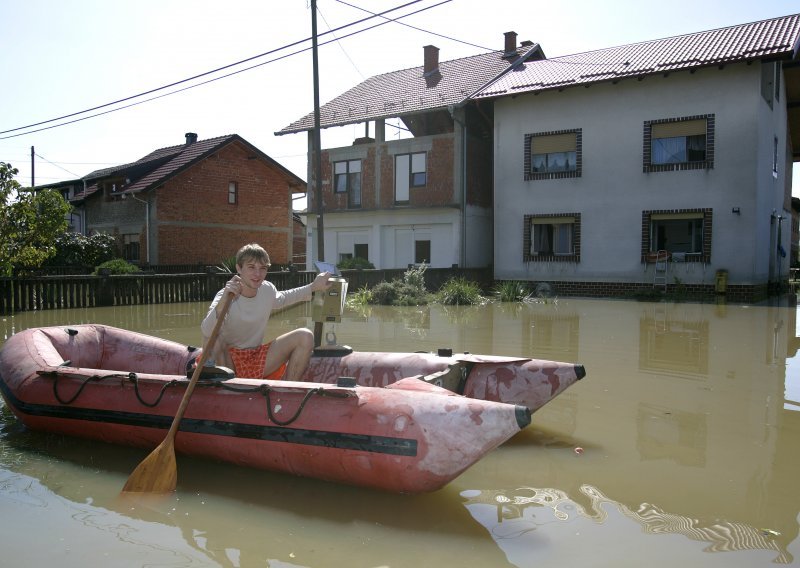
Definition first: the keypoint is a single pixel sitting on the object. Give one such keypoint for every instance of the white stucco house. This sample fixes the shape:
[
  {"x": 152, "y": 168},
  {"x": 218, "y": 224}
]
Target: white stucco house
[{"x": 683, "y": 145}]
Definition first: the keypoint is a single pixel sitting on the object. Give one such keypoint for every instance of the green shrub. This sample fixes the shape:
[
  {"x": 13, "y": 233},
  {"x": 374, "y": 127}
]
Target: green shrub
[
  {"x": 354, "y": 264},
  {"x": 75, "y": 249},
  {"x": 360, "y": 297},
  {"x": 459, "y": 292},
  {"x": 117, "y": 266},
  {"x": 227, "y": 265},
  {"x": 511, "y": 291},
  {"x": 410, "y": 291}
]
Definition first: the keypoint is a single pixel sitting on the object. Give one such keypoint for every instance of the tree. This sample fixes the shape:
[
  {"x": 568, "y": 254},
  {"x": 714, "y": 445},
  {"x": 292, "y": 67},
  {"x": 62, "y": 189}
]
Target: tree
[
  {"x": 75, "y": 249},
  {"x": 29, "y": 222}
]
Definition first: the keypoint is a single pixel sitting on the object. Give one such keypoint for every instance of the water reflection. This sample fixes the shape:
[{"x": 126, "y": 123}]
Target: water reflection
[
  {"x": 529, "y": 509},
  {"x": 688, "y": 420}
]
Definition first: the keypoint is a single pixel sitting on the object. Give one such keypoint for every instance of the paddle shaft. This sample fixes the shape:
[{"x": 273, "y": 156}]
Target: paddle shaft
[
  {"x": 223, "y": 311},
  {"x": 158, "y": 471}
]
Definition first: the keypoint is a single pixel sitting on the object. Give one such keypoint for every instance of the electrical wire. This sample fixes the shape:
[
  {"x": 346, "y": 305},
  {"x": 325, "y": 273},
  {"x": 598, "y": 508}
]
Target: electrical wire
[{"x": 270, "y": 52}]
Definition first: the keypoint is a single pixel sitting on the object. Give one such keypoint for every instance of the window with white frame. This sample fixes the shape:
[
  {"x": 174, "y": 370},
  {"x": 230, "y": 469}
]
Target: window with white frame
[
  {"x": 347, "y": 179},
  {"x": 233, "y": 192},
  {"x": 552, "y": 237},
  {"x": 410, "y": 171},
  {"x": 681, "y": 143}
]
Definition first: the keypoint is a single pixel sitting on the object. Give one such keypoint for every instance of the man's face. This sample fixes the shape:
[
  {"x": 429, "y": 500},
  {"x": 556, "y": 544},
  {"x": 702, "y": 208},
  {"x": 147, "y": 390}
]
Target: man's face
[{"x": 252, "y": 272}]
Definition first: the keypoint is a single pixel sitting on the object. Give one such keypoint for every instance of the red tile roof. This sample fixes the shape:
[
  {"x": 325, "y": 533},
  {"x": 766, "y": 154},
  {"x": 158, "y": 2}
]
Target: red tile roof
[
  {"x": 408, "y": 91},
  {"x": 160, "y": 165},
  {"x": 778, "y": 38}
]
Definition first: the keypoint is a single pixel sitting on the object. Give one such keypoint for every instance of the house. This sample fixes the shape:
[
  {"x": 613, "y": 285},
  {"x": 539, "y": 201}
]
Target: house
[
  {"x": 194, "y": 203},
  {"x": 424, "y": 198},
  {"x": 684, "y": 145}
]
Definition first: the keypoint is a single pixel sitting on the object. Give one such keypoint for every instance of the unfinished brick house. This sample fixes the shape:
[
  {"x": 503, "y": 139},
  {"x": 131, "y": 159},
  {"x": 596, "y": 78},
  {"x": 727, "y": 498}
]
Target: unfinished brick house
[
  {"x": 195, "y": 203},
  {"x": 424, "y": 198}
]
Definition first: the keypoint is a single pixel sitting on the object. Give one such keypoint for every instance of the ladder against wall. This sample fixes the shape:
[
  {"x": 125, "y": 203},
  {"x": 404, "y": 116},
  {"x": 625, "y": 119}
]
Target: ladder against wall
[{"x": 661, "y": 269}]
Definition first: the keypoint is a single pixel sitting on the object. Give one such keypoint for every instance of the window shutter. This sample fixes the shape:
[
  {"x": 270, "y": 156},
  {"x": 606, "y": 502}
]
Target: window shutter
[
  {"x": 554, "y": 143},
  {"x": 680, "y": 128}
]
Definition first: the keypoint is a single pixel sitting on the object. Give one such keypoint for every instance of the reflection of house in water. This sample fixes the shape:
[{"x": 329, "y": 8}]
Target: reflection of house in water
[
  {"x": 552, "y": 334},
  {"x": 519, "y": 514},
  {"x": 678, "y": 346}
]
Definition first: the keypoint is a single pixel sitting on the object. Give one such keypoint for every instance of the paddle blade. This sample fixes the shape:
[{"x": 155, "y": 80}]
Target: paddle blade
[{"x": 158, "y": 472}]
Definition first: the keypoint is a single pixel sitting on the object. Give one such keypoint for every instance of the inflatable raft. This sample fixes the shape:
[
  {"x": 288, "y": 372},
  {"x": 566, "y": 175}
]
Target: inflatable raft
[{"x": 123, "y": 387}]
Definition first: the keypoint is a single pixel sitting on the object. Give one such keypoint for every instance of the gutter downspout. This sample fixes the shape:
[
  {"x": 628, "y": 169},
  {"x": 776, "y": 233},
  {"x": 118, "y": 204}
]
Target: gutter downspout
[
  {"x": 146, "y": 225},
  {"x": 463, "y": 247}
]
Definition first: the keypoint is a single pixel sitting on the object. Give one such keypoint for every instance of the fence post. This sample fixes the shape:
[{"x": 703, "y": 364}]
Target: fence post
[{"x": 105, "y": 292}]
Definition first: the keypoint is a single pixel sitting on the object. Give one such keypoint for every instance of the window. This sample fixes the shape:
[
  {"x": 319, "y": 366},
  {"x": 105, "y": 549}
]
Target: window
[
  {"x": 233, "y": 193},
  {"x": 410, "y": 171},
  {"x": 553, "y": 155},
  {"x": 552, "y": 237},
  {"x": 361, "y": 251},
  {"x": 422, "y": 252},
  {"x": 685, "y": 234},
  {"x": 130, "y": 247},
  {"x": 685, "y": 143},
  {"x": 775, "y": 157},
  {"x": 347, "y": 179}
]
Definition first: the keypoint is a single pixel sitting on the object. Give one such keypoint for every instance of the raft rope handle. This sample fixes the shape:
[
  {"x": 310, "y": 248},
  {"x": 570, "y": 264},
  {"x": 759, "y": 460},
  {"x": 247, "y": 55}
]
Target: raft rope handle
[
  {"x": 86, "y": 381},
  {"x": 130, "y": 376},
  {"x": 266, "y": 390},
  {"x": 133, "y": 378}
]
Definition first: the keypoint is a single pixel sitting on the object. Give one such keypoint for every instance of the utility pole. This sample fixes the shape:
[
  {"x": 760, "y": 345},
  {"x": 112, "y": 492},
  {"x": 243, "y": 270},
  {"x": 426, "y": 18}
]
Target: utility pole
[
  {"x": 317, "y": 151},
  {"x": 32, "y": 178},
  {"x": 317, "y": 156}
]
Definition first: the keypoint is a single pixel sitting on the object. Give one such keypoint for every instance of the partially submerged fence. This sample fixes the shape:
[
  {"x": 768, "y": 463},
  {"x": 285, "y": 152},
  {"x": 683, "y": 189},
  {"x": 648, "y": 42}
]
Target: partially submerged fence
[{"x": 89, "y": 291}]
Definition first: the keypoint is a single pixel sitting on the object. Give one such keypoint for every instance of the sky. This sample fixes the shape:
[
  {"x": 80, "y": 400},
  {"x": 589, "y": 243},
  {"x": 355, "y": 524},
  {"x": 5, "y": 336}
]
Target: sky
[{"x": 62, "y": 57}]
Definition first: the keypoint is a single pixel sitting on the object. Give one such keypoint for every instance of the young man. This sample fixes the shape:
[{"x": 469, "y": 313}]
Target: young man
[{"x": 240, "y": 341}]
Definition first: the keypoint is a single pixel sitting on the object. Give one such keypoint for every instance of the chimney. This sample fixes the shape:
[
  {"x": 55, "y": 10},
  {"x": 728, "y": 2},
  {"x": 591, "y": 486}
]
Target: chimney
[
  {"x": 191, "y": 138},
  {"x": 431, "y": 60},
  {"x": 511, "y": 44}
]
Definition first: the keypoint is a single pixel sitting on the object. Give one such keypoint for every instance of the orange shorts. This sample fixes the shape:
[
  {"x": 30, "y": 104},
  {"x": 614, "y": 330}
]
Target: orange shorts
[{"x": 249, "y": 363}]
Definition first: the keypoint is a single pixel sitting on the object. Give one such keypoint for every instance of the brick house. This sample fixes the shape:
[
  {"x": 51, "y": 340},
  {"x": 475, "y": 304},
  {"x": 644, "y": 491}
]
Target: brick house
[
  {"x": 423, "y": 198},
  {"x": 683, "y": 145},
  {"x": 195, "y": 203}
]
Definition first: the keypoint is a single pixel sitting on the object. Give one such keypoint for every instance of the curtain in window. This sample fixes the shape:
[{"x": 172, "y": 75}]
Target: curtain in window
[
  {"x": 542, "y": 239},
  {"x": 668, "y": 150}
]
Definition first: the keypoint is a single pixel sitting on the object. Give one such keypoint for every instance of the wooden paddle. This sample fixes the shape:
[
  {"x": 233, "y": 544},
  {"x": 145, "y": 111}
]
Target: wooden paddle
[{"x": 158, "y": 472}]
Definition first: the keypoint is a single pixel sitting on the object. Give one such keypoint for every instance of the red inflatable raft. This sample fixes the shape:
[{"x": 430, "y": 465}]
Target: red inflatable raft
[{"x": 124, "y": 387}]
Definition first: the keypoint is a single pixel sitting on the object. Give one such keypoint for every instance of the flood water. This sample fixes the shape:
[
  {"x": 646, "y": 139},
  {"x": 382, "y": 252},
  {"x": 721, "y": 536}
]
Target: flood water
[{"x": 689, "y": 421}]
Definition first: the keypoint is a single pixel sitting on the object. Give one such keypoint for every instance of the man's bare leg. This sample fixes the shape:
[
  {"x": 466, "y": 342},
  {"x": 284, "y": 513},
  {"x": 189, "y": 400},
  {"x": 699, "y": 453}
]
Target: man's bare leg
[{"x": 293, "y": 348}]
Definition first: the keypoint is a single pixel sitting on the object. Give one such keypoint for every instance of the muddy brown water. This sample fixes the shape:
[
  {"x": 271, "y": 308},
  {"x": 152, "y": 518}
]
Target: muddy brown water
[{"x": 680, "y": 447}]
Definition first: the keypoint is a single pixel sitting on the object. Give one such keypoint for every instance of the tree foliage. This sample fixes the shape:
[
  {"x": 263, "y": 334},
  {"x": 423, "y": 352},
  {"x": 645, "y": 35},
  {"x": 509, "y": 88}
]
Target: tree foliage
[
  {"x": 29, "y": 222},
  {"x": 75, "y": 249}
]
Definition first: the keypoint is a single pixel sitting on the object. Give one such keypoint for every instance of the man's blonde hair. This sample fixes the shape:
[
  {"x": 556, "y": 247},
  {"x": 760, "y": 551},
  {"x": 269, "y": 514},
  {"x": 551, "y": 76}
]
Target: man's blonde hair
[{"x": 253, "y": 251}]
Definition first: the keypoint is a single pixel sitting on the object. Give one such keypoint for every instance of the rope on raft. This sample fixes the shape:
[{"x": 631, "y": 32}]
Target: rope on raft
[{"x": 264, "y": 390}]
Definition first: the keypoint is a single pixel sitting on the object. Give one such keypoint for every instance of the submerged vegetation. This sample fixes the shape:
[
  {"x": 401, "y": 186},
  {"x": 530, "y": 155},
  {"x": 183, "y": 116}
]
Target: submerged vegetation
[{"x": 410, "y": 290}]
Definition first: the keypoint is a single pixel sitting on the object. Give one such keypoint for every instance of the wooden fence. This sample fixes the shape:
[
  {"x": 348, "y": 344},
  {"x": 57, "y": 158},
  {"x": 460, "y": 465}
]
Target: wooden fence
[{"x": 88, "y": 291}]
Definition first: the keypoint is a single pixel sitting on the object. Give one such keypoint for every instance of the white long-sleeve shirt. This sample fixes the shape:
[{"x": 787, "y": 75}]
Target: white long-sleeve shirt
[{"x": 246, "y": 323}]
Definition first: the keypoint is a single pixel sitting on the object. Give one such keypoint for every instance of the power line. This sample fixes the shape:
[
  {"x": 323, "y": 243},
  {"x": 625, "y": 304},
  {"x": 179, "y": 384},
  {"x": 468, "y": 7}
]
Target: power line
[
  {"x": 270, "y": 52},
  {"x": 397, "y": 21},
  {"x": 56, "y": 165}
]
